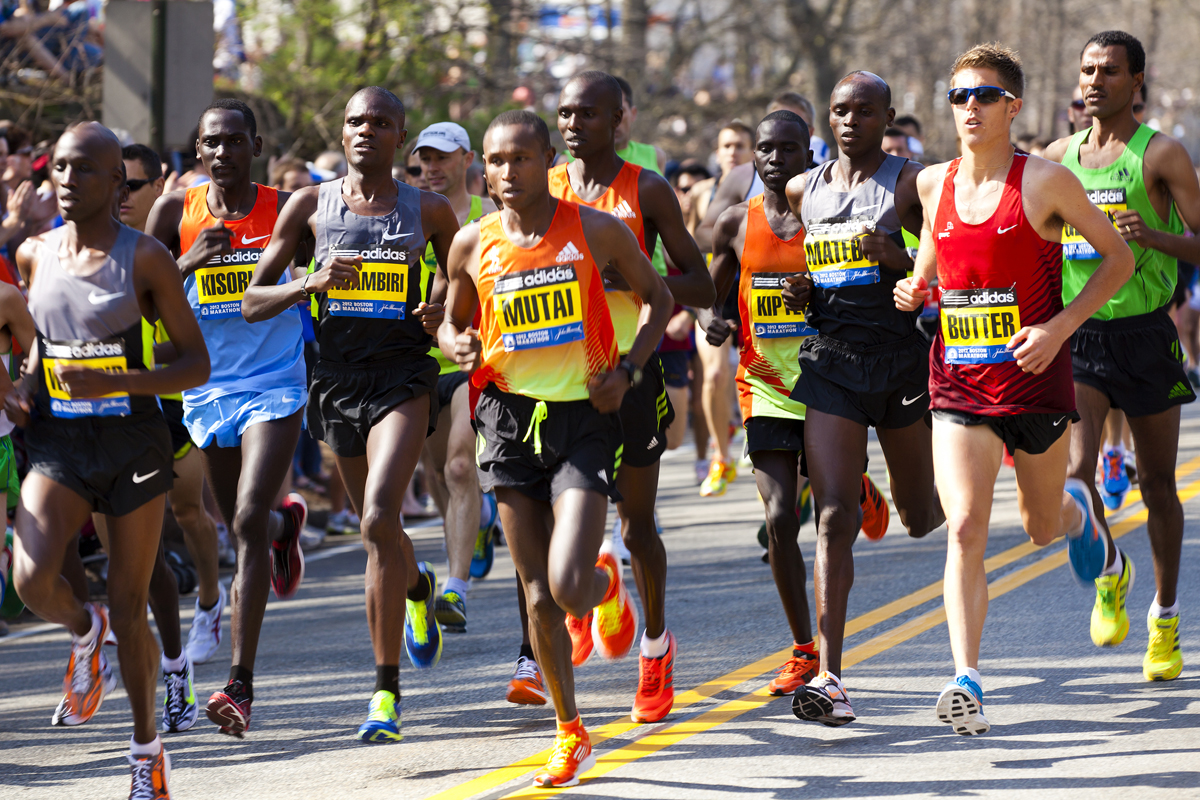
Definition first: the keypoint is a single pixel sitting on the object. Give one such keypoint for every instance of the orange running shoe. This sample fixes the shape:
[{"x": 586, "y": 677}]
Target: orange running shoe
[
  {"x": 875, "y": 510},
  {"x": 571, "y": 758},
  {"x": 526, "y": 687},
  {"x": 656, "y": 685},
  {"x": 581, "y": 639},
  {"x": 796, "y": 671},
  {"x": 151, "y": 775},
  {"x": 88, "y": 677},
  {"x": 615, "y": 620}
]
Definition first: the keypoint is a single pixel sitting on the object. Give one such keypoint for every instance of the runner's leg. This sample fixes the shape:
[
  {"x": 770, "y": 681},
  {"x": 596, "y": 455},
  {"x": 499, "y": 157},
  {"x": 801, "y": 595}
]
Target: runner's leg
[
  {"x": 1157, "y": 441},
  {"x": 1047, "y": 511},
  {"x": 909, "y": 455},
  {"x": 715, "y": 392},
  {"x": 1086, "y": 440},
  {"x": 199, "y": 533},
  {"x": 639, "y": 489},
  {"x": 462, "y": 481},
  {"x": 775, "y": 472}
]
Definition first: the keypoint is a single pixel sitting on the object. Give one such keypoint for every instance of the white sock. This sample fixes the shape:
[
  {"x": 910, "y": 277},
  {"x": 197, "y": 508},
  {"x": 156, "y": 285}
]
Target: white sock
[
  {"x": 1163, "y": 613},
  {"x": 174, "y": 664},
  {"x": 1119, "y": 447},
  {"x": 1117, "y": 565},
  {"x": 89, "y": 637},
  {"x": 456, "y": 585},
  {"x": 973, "y": 674},
  {"x": 150, "y": 749},
  {"x": 654, "y": 648}
]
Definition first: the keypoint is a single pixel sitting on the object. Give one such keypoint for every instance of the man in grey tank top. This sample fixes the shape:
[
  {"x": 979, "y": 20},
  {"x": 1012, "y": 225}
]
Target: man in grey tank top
[
  {"x": 868, "y": 366},
  {"x": 94, "y": 435},
  {"x": 374, "y": 387}
]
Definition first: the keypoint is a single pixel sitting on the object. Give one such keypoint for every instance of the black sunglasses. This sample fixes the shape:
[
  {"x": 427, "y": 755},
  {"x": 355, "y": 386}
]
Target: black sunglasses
[
  {"x": 1139, "y": 108},
  {"x": 1078, "y": 105},
  {"x": 137, "y": 183},
  {"x": 414, "y": 171},
  {"x": 984, "y": 94}
]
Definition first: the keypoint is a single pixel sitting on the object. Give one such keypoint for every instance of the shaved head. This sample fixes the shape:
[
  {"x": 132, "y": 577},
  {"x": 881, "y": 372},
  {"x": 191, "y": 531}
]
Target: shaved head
[
  {"x": 380, "y": 93},
  {"x": 869, "y": 80},
  {"x": 99, "y": 142},
  {"x": 600, "y": 87}
]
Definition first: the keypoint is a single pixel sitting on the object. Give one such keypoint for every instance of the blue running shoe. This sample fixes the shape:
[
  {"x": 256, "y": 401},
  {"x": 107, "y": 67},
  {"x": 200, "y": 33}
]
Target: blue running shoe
[
  {"x": 961, "y": 704},
  {"x": 485, "y": 547},
  {"x": 1088, "y": 548},
  {"x": 1116, "y": 480},
  {"x": 1111, "y": 501},
  {"x": 422, "y": 636},
  {"x": 383, "y": 720}
]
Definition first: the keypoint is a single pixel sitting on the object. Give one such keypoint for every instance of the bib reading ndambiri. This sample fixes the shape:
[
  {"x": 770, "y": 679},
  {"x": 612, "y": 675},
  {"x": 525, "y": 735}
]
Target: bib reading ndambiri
[{"x": 383, "y": 282}]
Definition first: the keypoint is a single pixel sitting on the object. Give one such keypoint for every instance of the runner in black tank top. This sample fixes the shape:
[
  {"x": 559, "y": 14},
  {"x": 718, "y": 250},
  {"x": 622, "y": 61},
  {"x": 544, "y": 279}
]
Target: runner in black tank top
[
  {"x": 866, "y": 367},
  {"x": 95, "y": 438},
  {"x": 374, "y": 387}
]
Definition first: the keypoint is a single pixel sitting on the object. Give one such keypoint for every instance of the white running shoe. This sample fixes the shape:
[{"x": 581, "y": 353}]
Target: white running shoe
[
  {"x": 618, "y": 542},
  {"x": 344, "y": 522},
  {"x": 180, "y": 708},
  {"x": 205, "y": 636},
  {"x": 961, "y": 704},
  {"x": 823, "y": 700},
  {"x": 226, "y": 552}
]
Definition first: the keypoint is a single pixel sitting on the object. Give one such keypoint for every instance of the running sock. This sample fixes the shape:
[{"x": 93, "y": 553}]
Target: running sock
[
  {"x": 973, "y": 674},
  {"x": 239, "y": 673},
  {"x": 456, "y": 585},
  {"x": 1119, "y": 447},
  {"x": 809, "y": 649},
  {"x": 288, "y": 529},
  {"x": 136, "y": 749},
  {"x": 1118, "y": 563},
  {"x": 654, "y": 648},
  {"x": 89, "y": 637},
  {"x": 1163, "y": 613},
  {"x": 175, "y": 664},
  {"x": 208, "y": 608},
  {"x": 422, "y": 590},
  {"x": 387, "y": 679},
  {"x": 527, "y": 652}
]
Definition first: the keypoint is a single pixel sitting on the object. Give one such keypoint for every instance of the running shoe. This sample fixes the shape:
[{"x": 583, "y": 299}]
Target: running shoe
[
  {"x": 526, "y": 687},
  {"x": 383, "y": 720},
  {"x": 422, "y": 636},
  {"x": 1163, "y": 661},
  {"x": 1111, "y": 501},
  {"x": 451, "y": 611},
  {"x": 226, "y": 552},
  {"x": 287, "y": 560},
  {"x": 701, "y": 469},
  {"x": 1110, "y": 622},
  {"x": 89, "y": 678},
  {"x": 571, "y": 758},
  {"x": 874, "y": 510},
  {"x": 65, "y": 714},
  {"x": 615, "y": 620},
  {"x": 1086, "y": 548},
  {"x": 656, "y": 685},
  {"x": 151, "y": 774},
  {"x": 798, "y": 670},
  {"x": 485, "y": 545},
  {"x": 205, "y": 636},
  {"x": 618, "y": 541},
  {"x": 582, "y": 646},
  {"x": 343, "y": 523},
  {"x": 961, "y": 704},
  {"x": 717, "y": 480},
  {"x": 804, "y": 505},
  {"x": 180, "y": 708},
  {"x": 823, "y": 700},
  {"x": 230, "y": 709},
  {"x": 1116, "y": 480}
]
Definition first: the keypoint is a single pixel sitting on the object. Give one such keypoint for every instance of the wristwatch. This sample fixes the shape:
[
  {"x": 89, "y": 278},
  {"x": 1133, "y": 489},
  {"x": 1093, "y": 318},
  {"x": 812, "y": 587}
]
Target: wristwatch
[
  {"x": 304, "y": 295},
  {"x": 633, "y": 370}
]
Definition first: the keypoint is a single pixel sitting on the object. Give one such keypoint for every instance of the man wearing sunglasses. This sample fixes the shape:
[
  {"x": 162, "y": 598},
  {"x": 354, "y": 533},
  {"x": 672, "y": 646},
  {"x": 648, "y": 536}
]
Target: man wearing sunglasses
[
  {"x": 1127, "y": 355},
  {"x": 1000, "y": 371}
]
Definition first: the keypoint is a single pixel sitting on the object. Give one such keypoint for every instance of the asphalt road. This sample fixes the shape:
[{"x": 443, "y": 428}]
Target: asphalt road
[{"x": 1069, "y": 718}]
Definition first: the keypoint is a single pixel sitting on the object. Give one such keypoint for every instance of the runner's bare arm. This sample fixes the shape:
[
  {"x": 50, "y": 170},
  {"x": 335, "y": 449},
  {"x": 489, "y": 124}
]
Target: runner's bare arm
[
  {"x": 910, "y": 293},
  {"x": 14, "y": 314},
  {"x": 163, "y": 224},
  {"x": 724, "y": 270},
  {"x": 661, "y": 207},
  {"x": 799, "y": 287},
  {"x": 458, "y": 340},
  {"x": 1172, "y": 171},
  {"x": 440, "y": 225},
  {"x": 731, "y": 192},
  {"x": 304, "y": 252},
  {"x": 1057, "y": 150},
  {"x": 265, "y": 297},
  {"x": 27, "y": 257}
]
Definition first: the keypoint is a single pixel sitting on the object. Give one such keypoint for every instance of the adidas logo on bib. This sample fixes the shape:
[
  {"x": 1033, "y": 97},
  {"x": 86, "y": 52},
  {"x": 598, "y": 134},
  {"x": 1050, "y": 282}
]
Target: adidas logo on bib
[
  {"x": 623, "y": 211},
  {"x": 568, "y": 254}
]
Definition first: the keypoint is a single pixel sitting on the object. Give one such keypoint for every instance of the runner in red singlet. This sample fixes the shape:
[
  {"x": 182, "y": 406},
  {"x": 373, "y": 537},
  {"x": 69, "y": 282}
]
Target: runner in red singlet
[{"x": 1000, "y": 372}]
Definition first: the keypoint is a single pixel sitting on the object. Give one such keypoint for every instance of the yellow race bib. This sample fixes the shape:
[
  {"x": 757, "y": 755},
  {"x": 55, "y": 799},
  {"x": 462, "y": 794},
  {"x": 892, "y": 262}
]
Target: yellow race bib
[
  {"x": 108, "y": 355},
  {"x": 222, "y": 282},
  {"x": 978, "y": 323},
  {"x": 833, "y": 250},
  {"x": 769, "y": 316},
  {"x": 1110, "y": 201},
  {"x": 383, "y": 282},
  {"x": 538, "y": 307}
]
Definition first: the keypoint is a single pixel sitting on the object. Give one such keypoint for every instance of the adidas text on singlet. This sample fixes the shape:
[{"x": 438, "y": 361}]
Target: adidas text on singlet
[
  {"x": 245, "y": 357},
  {"x": 91, "y": 321},
  {"x": 429, "y": 261},
  {"x": 995, "y": 278},
  {"x": 373, "y": 322},
  {"x": 544, "y": 327},
  {"x": 1119, "y": 187},
  {"x": 622, "y": 201},
  {"x": 768, "y": 365},
  {"x": 852, "y": 296}
]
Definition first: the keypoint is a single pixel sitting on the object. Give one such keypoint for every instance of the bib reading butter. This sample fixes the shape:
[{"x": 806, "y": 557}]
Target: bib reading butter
[{"x": 977, "y": 325}]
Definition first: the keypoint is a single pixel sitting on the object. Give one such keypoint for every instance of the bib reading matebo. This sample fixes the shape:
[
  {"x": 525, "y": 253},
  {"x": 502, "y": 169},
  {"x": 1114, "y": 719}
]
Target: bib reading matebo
[
  {"x": 383, "y": 280},
  {"x": 770, "y": 317},
  {"x": 221, "y": 283},
  {"x": 1110, "y": 201},
  {"x": 538, "y": 307},
  {"x": 108, "y": 355},
  {"x": 978, "y": 323},
  {"x": 834, "y": 252}
]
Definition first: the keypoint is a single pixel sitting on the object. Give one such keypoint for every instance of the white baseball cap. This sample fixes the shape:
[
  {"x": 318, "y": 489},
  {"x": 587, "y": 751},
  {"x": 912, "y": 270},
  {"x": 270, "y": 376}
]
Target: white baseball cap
[{"x": 444, "y": 136}]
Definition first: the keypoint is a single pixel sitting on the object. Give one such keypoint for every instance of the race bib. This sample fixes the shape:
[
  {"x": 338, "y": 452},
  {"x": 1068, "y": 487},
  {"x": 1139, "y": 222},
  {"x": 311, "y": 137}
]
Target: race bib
[
  {"x": 769, "y": 316},
  {"x": 1110, "y": 201},
  {"x": 977, "y": 324},
  {"x": 108, "y": 355},
  {"x": 833, "y": 250},
  {"x": 538, "y": 307},
  {"x": 221, "y": 283},
  {"x": 383, "y": 282}
]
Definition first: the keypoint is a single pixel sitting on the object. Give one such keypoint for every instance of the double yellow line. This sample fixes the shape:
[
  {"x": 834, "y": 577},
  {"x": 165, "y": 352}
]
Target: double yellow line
[{"x": 656, "y": 740}]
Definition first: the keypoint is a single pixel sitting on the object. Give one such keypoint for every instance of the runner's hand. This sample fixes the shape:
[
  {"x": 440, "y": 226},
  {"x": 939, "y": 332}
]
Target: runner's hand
[
  {"x": 431, "y": 315},
  {"x": 213, "y": 241},
  {"x": 1036, "y": 346},
  {"x": 339, "y": 273},
  {"x": 81, "y": 382},
  {"x": 911, "y": 293},
  {"x": 607, "y": 390},
  {"x": 718, "y": 330},
  {"x": 18, "y": 403},
  {"x": 1133, "y": 228},
  {"x": 797, "y": 293},
  {"x": 883, "y": 250},
  {"x": 468, "y": 350}
]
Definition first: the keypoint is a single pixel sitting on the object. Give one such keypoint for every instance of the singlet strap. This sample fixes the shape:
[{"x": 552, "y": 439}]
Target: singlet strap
[
  {"x": 1071, "y": 157},
  {"x": 1140, "y": 141},
  {"x": 1016, "y": 171}
]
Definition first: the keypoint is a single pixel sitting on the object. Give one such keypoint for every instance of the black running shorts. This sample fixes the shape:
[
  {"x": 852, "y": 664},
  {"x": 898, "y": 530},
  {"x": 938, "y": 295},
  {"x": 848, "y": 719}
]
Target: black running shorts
[
  {"x": 181, "y": 440},
  {"x": 885, "y": 386},
  {"x": 346, "y": 400},
  {"x": 573, "y": 447},
  {"x": 1033, "y": 433},
  {"x": 774, "y": 433},
  {"x": 676, "y": 364},
  {"x": 116, "y": 464},
  {"x": 1136, "y": 362},
  {"x": 447, "y": 385},
  {"x": 645, "y": 414}
]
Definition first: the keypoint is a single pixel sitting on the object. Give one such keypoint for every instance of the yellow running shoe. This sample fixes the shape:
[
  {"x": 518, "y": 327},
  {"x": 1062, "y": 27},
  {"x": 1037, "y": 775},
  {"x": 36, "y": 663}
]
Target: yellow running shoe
[
  {"x": 1163, "y": 661},
  {"x": 1110, "y": 623},
  {"x": 718, "y": 479}
]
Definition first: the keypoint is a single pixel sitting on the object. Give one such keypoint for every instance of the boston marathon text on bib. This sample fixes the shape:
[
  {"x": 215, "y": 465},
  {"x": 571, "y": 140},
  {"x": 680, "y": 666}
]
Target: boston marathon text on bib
[
  {"x": 108, "y": 355},
  {"x": 383, "y": 280},
  {"x": 977, "y": 325},
  {"x": 221, "y": 283},
  {"x": 833, "y": 249},
  {"x": 1110, "y": 201},
  {"x": 538, "y": 307},
  {"x": 769, "y": 316}
]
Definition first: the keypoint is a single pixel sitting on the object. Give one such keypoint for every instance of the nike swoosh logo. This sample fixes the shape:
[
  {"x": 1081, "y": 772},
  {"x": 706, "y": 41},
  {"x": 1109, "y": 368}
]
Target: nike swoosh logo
[
  {"x": 97, "y": 299},
  {"x": 906, "y": 401},
  {"x": 285, "y": 399},
  {"x": 1059, "y": 422},
  {"x": 387, "y": 237},
  {"x": 143, "y": 478},
  {"x": 247, "y": 240},
  {"x": 1003, "y": 231},
  {"x": 861, "y": 209}
]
